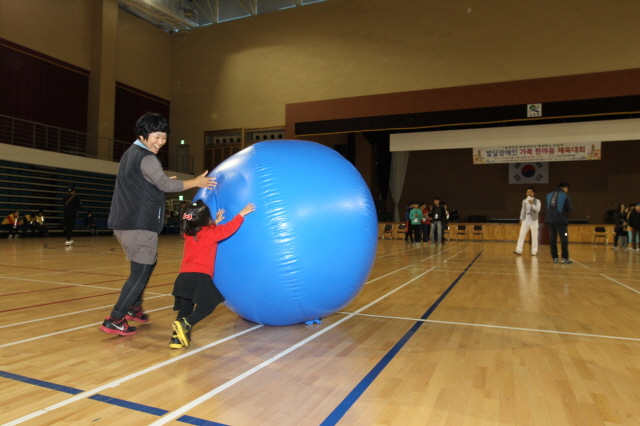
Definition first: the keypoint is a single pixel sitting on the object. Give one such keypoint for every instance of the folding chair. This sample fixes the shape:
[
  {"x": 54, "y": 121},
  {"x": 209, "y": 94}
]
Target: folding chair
[
  {"x": 478, "y": 230},
  {"x": 402, "y": 229},
  {"x": 388, "y": 231},
  {"x": 461, "y": 230},
  {"x": 600, "y": 232}
]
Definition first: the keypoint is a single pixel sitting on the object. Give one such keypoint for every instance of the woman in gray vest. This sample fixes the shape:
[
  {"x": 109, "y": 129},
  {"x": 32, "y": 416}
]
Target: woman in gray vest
[{"x": 137, "y": 215}]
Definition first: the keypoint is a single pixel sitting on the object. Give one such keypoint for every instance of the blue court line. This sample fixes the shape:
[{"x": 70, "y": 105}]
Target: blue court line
[
  {"x": 41, "y": 383},
  {"x": 353, "y": 396},
  {"x": 107, "y": 399},
  {"x": 130, "y": 405},
  {"x": 197, "y": 422}
]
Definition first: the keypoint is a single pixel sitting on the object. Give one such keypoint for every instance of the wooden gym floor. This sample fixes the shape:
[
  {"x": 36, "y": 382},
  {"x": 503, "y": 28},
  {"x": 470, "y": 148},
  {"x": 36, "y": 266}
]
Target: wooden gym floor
[{"x": 462, "y": 334}]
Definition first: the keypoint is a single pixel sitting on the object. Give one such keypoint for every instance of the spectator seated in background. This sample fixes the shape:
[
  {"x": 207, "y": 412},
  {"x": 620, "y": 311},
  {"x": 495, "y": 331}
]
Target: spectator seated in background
[
  {"x": 39, "y": 226},
  {"x": 173, "y": 224},
  {"x": 90, "y": 224},
  {"x": 12, "y": 222},
  {"x": 29, "y": 224}
]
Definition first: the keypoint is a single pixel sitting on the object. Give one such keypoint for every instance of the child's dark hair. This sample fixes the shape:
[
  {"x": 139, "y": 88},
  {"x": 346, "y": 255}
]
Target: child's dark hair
[
  {"x": 196, "y": 215},
  {"x": 151, "y": 123}
]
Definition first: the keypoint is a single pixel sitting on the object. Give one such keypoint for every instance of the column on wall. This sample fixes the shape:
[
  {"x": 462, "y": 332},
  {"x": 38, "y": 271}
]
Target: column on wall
[{"x": 102, "y": 79}]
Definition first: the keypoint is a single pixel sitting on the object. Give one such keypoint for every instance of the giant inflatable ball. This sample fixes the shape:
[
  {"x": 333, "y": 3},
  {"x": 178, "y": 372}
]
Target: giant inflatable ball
[{"x": 309, "y": 247}]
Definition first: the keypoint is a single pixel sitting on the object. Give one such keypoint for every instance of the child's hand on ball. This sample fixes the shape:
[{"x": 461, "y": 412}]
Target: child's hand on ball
[
  {"x": 247, "y": 209},
  {"x": 219, "y": 216}
]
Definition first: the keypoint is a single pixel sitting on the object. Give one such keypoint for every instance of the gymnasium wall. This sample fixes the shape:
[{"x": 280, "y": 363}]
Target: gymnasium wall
[
  {"x": 56, "y": 28},
  {"x": 243, "y": 73},
  {"x": 144, "y": 56},
  {"x": 62, "y": 29}
]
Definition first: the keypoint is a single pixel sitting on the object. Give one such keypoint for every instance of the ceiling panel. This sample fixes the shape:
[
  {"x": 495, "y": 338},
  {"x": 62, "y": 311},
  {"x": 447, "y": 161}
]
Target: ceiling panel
[{"x": 186, "y": 15}]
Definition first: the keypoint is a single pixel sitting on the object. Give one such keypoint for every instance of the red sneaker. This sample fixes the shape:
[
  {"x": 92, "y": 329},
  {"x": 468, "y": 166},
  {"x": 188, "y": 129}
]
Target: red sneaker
[
  {"x": 117, "y": 326},
  {"x": 136, "y": 314}
]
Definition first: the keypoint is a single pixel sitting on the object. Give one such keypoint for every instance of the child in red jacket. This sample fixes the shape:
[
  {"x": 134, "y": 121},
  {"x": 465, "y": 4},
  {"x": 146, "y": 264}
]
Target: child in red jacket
[{"x": 194, "y": 284}]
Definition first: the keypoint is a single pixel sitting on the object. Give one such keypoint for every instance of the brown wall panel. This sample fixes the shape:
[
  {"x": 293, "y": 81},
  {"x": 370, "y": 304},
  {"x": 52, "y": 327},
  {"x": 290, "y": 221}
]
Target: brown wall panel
[{"x": 553, "y": 89}]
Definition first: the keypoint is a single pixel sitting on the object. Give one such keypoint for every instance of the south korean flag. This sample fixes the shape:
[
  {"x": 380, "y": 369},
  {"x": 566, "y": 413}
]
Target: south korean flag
[{"x": 529, "y": 172}]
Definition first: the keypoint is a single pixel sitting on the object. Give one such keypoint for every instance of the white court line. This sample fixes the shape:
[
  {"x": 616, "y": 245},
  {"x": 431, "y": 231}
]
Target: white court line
[
  {"x": 88, "y": 270},
  {"x": 117, "y": 382},
  {"x": 574, "y": 277},
  {"x": 618, "y": 282},
  {"x": 386, "y": 275},
  {"x": 124, "y": 274},
  {"x": 378, "y": 250},
  {"x": 584, "y": 266},
  {"x": 533, "y": 330},
  {"x": 68, "y": 330},
  {"x": 444, "y": 261},
  {"x": 124, "y": 265},
  {"x": 436, "y": 254},
  {"x": 76, "y": 312},
  {"x": 542, "y": 274},
  {"x": 108, "y": 306},
  {"x": 399, "y": 251},
  {"x": 67, "y": 272},
  {"x": 74, "y": 285},
  {"x": 134, "y": 375},
  {"x": 174, "y": 414}
]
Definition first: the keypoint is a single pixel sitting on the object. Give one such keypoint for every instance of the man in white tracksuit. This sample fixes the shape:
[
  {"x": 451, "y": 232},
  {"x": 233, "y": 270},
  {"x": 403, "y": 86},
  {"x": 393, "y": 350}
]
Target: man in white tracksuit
[{"x": 529, "y": 222}]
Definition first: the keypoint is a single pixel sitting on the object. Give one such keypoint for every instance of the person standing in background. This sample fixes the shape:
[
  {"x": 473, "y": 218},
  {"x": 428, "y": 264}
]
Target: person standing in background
[
  {"x": 619, "y": 223},
  {"x": 415, "y": 217},
  {"x": 529, "y": 222},
  {"x": 425, "y": 225},
  {"x": 72, "y": 204},
  {"x": 634, "y": 227},
  {"x": 438, "y": 218},
  {"x": 558, "y": 208}
]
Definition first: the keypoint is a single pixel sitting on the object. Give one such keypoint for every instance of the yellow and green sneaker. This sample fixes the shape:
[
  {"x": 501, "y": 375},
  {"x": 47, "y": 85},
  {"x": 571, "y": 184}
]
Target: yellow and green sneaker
[
  {"x": 175, "y": 342},
  {"x": 183, "y": 331}
]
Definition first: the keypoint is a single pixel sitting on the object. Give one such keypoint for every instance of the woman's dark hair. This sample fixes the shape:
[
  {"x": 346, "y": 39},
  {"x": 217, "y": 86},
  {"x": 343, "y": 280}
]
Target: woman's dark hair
[
  {"x": 151, "y": 123},
  {"x": 196, "y": 216}
]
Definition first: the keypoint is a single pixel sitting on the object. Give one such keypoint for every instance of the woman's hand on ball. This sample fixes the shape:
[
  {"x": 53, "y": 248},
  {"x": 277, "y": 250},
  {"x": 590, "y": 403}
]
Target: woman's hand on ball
[
  {"x": 247, "y": 209},
  {"x": 203, "y": 181}
]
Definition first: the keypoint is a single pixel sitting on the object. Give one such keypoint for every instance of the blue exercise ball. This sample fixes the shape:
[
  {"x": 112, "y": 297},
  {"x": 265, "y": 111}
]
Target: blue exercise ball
[{"x": 309, "y": 247}]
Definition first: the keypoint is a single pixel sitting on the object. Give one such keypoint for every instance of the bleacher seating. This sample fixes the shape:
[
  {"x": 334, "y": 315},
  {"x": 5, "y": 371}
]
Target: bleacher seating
[{"x": 29, "y": 188}]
